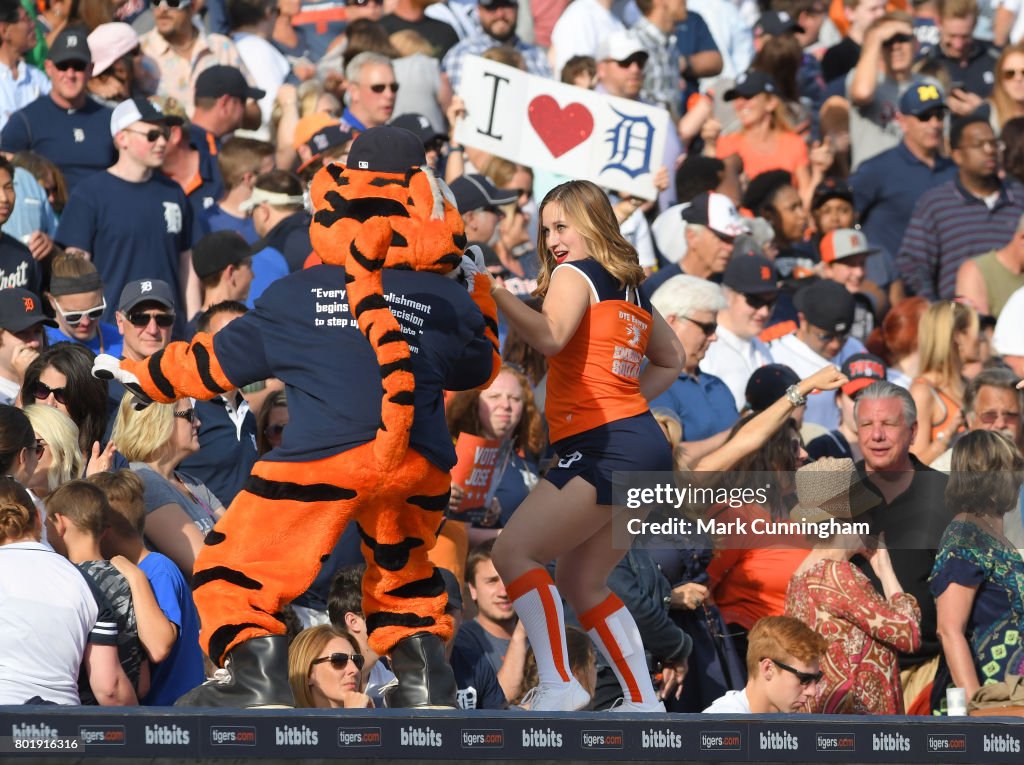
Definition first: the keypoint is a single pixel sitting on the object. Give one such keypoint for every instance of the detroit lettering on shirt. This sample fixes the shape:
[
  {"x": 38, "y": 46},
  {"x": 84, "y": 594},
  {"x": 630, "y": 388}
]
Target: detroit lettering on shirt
[
  {"x": 133, "y": 231},
  {"x": 302, "y": 332},
  {"x": 17, "y": 266},
  {"x": 76, "y": 140}
]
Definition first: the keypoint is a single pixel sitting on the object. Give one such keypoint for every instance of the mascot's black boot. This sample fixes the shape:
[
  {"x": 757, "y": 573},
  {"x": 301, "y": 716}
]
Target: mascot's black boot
[
  {"x": 425, "y": 679},
  {"x": 255, "y": 675}
]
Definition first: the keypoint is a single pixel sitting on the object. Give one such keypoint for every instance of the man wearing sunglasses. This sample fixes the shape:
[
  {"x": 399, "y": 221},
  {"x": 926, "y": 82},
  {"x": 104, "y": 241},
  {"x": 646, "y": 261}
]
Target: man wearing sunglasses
[
  {"x": 712, "y": 225},
  {"x": 750, "y": 286},
  {"x": 371, "y": 92},
  {"x": 66, "y": 126},
  {"x": 825, "y": 311},
  {"x": 882, "y": 74},
  {"x": 78, "y": 303},
  {"x": 701, "y": 402},
  {"x": 497, "y": 27},
  {"x": 134, "y": 223},
  {"x": 887, "y": 186},
  {"x": 21, "y": 337},
  {"x": 182, "y": 51},
  {"x": 783, "y": 669},
  {"x": 145, "y": 316}
]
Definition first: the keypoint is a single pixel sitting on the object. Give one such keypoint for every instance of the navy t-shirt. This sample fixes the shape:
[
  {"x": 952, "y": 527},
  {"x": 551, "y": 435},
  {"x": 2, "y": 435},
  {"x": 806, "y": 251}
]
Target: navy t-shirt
[
  {"x": 693, "y": 36},
  {"x": 302, "y": 332},
  {"x": 218, "y": 220},
  {"x": 133, "y": 231},
  {"x": 290, "y": 237},
  {"x": 226, "y": 454},
  {"x": 76, "y": 140},
  {"x": 17, "y": 266}
]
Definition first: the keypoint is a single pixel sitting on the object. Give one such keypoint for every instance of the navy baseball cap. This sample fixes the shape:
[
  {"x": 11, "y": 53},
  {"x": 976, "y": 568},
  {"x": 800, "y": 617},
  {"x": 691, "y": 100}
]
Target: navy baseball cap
[
  {"x": 386, "y": 149},
  {"x": 215, "y": 252},
  {"x": 751, "y": 84},
  {"x": 826, "y": 305},
  {"x": 776, "y": 23},
  {"x": 146, "y": 291},
  {"x": 21, "y": 309},
  {"x": 418, "y": 125},
  {"x": 72, "y": 44},
  {"x": 221, "y": 80},
  {"x": 751, "y": 275},
  {"x": 768, "y": 384},
  {"x": 831, "y": 188},
  {"x": 922, "y": 97},
  {"x": 475, "y": 192}
]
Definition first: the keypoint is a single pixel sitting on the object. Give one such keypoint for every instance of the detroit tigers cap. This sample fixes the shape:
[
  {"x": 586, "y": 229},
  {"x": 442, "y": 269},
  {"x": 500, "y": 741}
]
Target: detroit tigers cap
[
  {"x": 145, "y": 291},
  {"x": 72, "y": 44},
  {"x": 127, "y": 113},
  {"x": 21, "y": 309}
]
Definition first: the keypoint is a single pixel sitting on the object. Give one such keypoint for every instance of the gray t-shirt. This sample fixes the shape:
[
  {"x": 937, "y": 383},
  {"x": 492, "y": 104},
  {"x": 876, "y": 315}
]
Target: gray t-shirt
[
  {"x": 873, "y": 128},
  {"x": 200, "y": 503}
]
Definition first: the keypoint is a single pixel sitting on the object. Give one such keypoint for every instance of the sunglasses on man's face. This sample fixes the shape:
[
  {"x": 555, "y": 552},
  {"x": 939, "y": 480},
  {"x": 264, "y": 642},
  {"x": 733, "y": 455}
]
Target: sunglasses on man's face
[
  {"x": 142, "y": 319},
  {"x": 899, "y": 37},
  {"x": 153, "y": 134},
  {"x": 41, "y": 391},
  {"x": 173, "y": 4},
  {"x": 74, "y": 318},
  {"x": 364, "y": 3},
  {"x": 380, "y": 87},
  {"x": 707, "y": 327},
  {"x": 804, "y": 678},
  {"x": 77, "y": 66},
  {"x": 640, "y": 59},
  {"x": 340, "y": 660},
  {"x": 757, "y": 302}
]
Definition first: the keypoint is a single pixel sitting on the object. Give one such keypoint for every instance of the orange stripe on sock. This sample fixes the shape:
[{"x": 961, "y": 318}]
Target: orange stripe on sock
[
  {"x": 540, "y": 580},
  {"x": 590, "y": 620},
  {"x": 533, "y": 579},
  {"x": 597, "y": 619}
]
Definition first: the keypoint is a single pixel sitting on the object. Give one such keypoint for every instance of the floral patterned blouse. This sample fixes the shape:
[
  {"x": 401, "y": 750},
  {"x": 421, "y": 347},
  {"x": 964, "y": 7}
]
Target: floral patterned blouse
[
  {"x": 865, "y": 631},
  {"x": 972, "y": 557}
]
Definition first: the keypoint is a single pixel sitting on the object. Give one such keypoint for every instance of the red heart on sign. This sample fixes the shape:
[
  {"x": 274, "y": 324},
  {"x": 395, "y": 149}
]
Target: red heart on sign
[{"x": 561, "y": 129}]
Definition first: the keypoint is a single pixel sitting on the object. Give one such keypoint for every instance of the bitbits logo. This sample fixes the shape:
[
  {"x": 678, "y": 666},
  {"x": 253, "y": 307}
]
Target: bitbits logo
[
  {"x": 1001, "y": 742},
  {"x": 660, "y": 739},
  {"x": 541, "y": 738},
  {"x": 721, "y": 740},
  {"x": 232, "y": 735},
  {"x": 835, "y": 742},
  {"x": 947, "y": 742},
  {"x": 421, "y": 737},
  {"x": 482, "y": 738},
  {"x": 601, "y": 739},
  {"x": 295, "y": 735},
  {"x": 359, "y": 737},
  {"x": 33, "y": 730},
  {"x": 773, "y": 741},
  {"x": 889, "y": 742},
  {"x": 166, "y": 734},
  {"x": 102, "y": 735}
]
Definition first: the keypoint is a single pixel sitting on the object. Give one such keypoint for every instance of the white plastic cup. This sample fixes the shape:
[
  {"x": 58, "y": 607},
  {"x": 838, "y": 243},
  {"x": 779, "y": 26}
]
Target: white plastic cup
[{"x": 956, "y": 702}]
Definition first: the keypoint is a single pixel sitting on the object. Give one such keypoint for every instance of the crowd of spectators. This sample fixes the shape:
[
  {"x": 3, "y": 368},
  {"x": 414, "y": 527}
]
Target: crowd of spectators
[{"x": 837, "y": 242}]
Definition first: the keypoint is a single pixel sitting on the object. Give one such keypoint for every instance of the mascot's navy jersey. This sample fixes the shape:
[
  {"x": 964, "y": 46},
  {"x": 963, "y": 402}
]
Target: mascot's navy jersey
[{"x": 303, "y": 333}]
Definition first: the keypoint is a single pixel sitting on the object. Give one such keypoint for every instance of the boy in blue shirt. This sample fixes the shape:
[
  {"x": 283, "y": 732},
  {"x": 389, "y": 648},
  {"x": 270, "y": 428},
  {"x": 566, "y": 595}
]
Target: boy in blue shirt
[{"x": 183, "y": 669}]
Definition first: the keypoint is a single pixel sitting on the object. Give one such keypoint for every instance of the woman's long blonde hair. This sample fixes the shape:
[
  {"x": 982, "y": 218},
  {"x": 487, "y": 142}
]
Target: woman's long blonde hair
[
  {"x": 587, "y": 208},
  {"x": 936, "y": 335}
]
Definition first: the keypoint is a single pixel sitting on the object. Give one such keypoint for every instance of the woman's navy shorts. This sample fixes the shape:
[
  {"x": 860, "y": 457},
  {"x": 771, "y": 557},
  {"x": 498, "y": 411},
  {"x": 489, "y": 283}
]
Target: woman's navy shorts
[{"x": 633, "y": 444}]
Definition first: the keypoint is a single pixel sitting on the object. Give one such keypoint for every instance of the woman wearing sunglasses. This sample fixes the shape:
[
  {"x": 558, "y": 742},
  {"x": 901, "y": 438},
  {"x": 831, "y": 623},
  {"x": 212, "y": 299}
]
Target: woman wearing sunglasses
[
  {"x": 180, "y": 510},
  {"x": 326, "y": 671},
  {"x": 60, "y": 457},
  {"x": 61, "y": 377},
  {"x": 76, "y": 297}
]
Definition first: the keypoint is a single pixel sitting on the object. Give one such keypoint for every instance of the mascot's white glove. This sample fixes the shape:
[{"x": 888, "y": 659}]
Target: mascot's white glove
[
  {"x": 472, "y": 264},
  {"x": 107, "y": 367}
]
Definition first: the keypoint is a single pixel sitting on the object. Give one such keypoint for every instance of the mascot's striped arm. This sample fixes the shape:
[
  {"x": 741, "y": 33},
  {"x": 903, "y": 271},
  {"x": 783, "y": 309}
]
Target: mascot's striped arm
[{"x": 180, "y": 370}]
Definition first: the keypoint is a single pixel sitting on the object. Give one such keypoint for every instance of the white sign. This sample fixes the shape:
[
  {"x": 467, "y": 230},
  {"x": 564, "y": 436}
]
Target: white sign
[{"x": 616, "y": 143}]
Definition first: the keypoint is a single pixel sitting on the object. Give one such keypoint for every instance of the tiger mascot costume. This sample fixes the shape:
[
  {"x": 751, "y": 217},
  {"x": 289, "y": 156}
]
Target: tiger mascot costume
[{"x": 366, "y": 438}]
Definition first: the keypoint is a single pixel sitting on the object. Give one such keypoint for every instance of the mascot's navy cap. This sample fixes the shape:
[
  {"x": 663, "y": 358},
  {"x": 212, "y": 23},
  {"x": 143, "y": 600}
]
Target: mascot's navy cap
[{"x": 386, "y": 150}]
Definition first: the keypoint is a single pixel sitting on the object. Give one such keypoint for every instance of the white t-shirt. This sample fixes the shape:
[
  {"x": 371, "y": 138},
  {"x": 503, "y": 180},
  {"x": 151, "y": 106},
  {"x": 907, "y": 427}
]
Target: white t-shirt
[
  {"x": 637, "y": 232},
  {"x": 579, "y": 30},
  {"x": 268, "y": 68},
  {"x": 48, "y": 612},
  {"x": 733, "y": 702},
  {"x": 734, "y": 360}
]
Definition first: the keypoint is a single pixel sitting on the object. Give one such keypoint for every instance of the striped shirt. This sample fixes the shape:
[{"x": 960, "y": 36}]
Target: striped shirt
[
  {"x": 536, "y": 58},
  {"x": 951, "y": 225}
]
